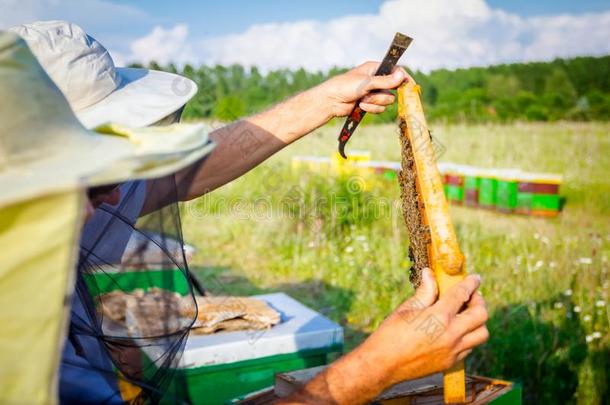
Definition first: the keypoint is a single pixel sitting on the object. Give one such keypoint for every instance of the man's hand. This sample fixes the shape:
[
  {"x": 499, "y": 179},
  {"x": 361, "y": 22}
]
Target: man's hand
[
  {"x": 342, "y": 92},
  {"x": 423, "y": 336}
]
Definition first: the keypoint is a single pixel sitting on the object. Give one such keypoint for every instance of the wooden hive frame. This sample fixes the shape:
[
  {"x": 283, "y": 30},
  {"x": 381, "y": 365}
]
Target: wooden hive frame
[{"x": 433, "y": 242}]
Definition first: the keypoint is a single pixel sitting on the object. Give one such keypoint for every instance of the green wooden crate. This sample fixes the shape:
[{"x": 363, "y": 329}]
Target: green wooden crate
[
  {"x": 524, "y": 202},
  {"x": 506, "y": 195},
  {"x": 487, "y": 191},
  {"x": 104, "y": 282},
  {"x": 220, "y": 383},
  {"x": 455, "y": 194},
  {"x": 471, "y": 182},
  {"x": 218, "y": 367},
  {"x": 546, "y": 202}
]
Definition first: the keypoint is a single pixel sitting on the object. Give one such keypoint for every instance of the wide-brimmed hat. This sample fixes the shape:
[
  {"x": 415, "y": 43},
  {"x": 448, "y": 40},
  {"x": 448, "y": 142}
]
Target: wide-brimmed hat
[
  {"x": 44, "y": 148},
  {"x": 98, "y": 91}
]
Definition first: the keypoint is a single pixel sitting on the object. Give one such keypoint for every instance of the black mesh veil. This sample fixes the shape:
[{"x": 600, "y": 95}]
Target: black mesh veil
[{"x": 134, "y": 299}]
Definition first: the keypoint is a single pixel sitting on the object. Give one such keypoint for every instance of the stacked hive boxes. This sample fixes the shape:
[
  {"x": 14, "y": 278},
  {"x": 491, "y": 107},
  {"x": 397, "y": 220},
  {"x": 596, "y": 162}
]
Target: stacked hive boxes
[
  {"x": 505, "y": 190},
  {"x": 538, "y": 194}
]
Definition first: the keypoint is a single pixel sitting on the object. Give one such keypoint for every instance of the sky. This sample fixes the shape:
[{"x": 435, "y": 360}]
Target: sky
[{"x": 320, "y": 34}]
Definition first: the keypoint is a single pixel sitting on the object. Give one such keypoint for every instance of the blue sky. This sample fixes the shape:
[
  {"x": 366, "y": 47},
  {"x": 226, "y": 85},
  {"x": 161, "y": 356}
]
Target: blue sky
[{"x": 319, "y": 34}]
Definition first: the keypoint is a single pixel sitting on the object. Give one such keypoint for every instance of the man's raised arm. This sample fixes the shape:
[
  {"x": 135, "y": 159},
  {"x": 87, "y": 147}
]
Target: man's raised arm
[{"x": 246, "y": 143}]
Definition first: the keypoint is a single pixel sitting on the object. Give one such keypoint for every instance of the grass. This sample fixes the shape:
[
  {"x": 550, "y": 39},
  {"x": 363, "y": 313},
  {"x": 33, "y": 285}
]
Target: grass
[{"x": 339, "y": 244}]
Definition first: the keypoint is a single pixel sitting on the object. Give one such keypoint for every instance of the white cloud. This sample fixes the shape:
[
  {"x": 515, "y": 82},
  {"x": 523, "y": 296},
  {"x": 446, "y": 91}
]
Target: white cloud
[
  {"x": 163, "y": 46},
  {"x": 447, "y": 33}
]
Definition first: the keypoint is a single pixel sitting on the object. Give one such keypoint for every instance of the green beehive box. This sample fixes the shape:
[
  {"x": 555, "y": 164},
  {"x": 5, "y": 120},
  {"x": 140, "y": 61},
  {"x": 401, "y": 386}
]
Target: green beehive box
[
  {"x": 488, "y": 184},
  {"x": 524, "y": 202},
  {"x": 546, "y": 202},
  {"x": 507, "y": 190},
  {"x": 454, "y": 184},
  {"x": 454, "y": 194},
  {"x": 109, "y": 279},
  {"x": 471, "y": 185},
  {"x": 538, "y": 194},
  {"x": 215, "y": 368}
]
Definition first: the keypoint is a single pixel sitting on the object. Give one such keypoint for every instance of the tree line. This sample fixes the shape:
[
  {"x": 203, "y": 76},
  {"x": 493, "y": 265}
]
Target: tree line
[{"x": 564, "y": 89}]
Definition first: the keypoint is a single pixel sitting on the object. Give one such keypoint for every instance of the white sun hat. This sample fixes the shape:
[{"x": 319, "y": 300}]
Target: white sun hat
[
  {"x": 97, "y": 91},
  {"x": 45, "y": 149}
]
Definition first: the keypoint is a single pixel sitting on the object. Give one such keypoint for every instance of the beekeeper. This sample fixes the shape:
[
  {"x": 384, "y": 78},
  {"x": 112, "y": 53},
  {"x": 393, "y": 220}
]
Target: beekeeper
[
  {"x": 406, "y": 346},
  {"x": 48, "y": 163}
]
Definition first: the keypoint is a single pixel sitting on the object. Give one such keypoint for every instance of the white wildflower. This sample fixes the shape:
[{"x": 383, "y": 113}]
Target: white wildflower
[
  {"x": 589, "y": 338},
  {"x": 596, "y": 335},
  {"x": 558, "y": 305},
  {"x": 349, "y": 249},
  {"x": 568, "y": 292},
  {"x": 600, "y": 303},
  {"x": 577, "y": 309},
  {"x": 545, "y": 240},
  {"x": 536, "y": 236},
  {"x": 587, "y": 318},
  {"x": 585, "y": 260},
  {"x": 553, "y": 264},
  {"x": 311, "y": 244},
  {"x": 361, "y": 238},
  {"x": 539, "y": 264}
]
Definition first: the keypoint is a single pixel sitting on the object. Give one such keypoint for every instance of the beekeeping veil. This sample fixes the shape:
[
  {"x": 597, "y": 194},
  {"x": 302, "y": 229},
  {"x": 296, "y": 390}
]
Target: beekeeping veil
[{"x": 127, "y": 331}]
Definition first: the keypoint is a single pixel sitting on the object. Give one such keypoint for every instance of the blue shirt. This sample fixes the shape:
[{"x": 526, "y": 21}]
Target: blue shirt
[{"x": 86, "y": 372}]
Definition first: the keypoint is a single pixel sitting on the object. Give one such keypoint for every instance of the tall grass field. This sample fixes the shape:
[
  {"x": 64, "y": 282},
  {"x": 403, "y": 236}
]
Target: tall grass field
[{"x": 338, "y": 243}]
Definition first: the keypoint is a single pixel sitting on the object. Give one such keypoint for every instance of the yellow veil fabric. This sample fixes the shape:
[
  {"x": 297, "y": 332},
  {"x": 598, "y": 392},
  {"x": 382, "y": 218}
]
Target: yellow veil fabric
[{"x": 38, "y": 241}]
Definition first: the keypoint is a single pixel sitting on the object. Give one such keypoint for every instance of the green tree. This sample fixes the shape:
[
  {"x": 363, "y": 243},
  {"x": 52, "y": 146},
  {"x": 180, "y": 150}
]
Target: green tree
[{"x": 229, "y": 108}]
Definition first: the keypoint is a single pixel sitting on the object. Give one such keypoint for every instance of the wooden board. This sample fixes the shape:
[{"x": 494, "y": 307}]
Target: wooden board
[
  {"x": 435, "y": 230},
  {"x": 427, "y": 390}
]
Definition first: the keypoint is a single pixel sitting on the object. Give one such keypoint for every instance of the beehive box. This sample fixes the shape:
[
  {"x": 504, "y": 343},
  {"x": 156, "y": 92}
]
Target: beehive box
[
  {"x": 388, "y": 170},
  {"x": 472, "y": 178},
  {"x": 318, "y": 164},
  {"x": 346, "y": 166},
  {"x": 488, "y": 184},
  {"x": 453, "y": 178},
  {"x": 426, "y": 390},
  {"x": 538, "y": 194},
  {"x": 218, "y": 367},
  {"x": 506, "y": 189}
]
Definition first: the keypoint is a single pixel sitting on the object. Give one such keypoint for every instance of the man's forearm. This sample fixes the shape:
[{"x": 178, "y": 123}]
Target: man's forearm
[
  {"x": 248, "y": 142},
  {"x": 353, "y": 379}
]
